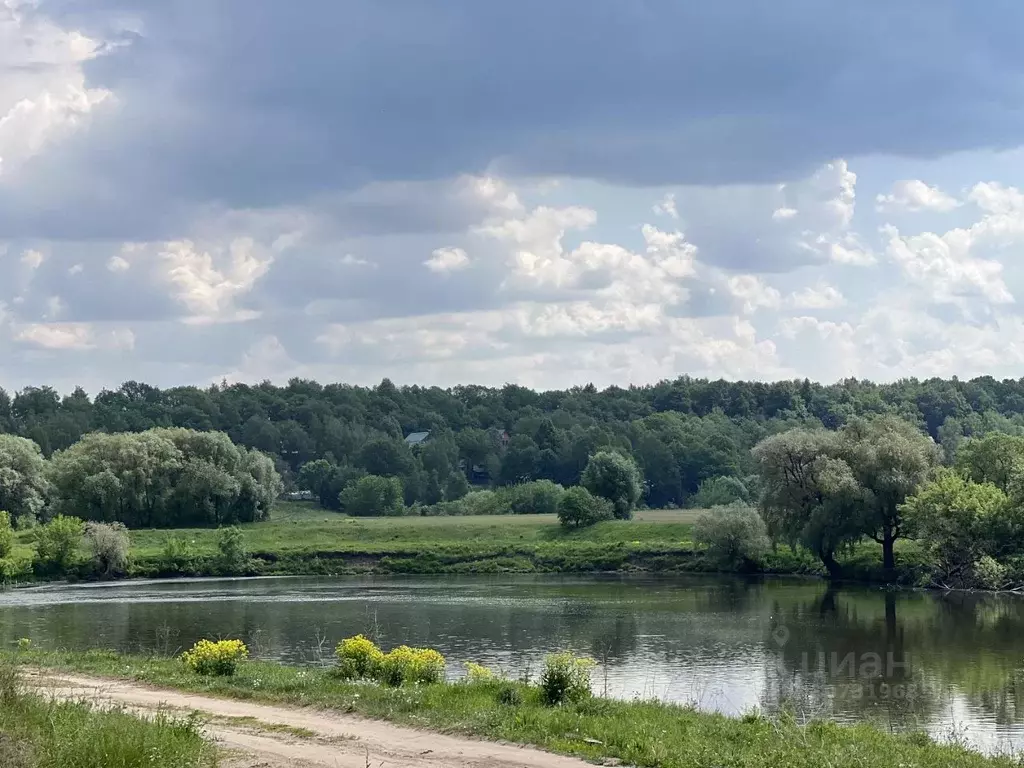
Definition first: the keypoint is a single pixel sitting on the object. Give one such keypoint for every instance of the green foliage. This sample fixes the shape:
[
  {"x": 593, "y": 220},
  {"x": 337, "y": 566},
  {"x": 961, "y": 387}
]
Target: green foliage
[
  {"x": 566, "y": 678},
  {"x": 958, "y": 522},
  {"x": 734, "y": 536},
  {"x": 6, "y": 535},
  {"x": 509, "y": 695},
  {"x": 23, "y": 484},
  {"x": 57, "y": 543},
  {"x": 457, "y": 486},
  {"x": 177, "y": 555},
  {"x": 539, "y": 497},
  {"x": 232, "y": 554},
  {"x": 373, "y": 496},
  {"x": 109, "y": 545},
  {"x": 579, "y": 508},
  {"x": 39, "y": 732},
  {"x": 717, "y": 492},
  {"x": 163, "y": 478},
  {"x": 995, "y": 458},
  {"x": 218, "y": 658},
  {"x": 359, "y": 659},
  {"x": 615, "y": 477}
]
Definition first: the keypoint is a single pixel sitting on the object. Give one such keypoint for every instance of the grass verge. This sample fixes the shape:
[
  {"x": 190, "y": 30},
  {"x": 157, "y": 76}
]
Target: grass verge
[
  {"x": 644, "y": 734},
  {"x": 37, "y": 733}
]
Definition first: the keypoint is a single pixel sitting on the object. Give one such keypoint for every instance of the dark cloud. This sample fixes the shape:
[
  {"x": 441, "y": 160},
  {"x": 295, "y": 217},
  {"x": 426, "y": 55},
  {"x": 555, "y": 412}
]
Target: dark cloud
[{"x": 258, "y": 102}]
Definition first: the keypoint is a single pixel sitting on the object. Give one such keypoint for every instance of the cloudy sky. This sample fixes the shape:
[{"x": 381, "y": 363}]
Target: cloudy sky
[{"x": 550, "y": 193}]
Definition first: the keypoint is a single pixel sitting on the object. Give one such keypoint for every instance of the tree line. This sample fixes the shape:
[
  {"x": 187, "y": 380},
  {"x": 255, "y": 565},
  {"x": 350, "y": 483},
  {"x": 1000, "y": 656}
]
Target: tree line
[{"x": 682, "y": 433}]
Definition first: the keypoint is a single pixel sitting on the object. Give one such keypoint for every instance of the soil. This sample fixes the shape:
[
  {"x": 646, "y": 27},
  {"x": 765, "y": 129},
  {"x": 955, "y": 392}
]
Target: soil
[{"x": 265, "y": 736}]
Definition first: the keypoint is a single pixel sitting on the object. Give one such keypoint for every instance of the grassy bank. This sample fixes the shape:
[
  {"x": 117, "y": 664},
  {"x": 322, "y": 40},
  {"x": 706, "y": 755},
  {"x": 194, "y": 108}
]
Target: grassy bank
[
  {"x": 36, "y": 733},
  {"x": 301, "y": 539},
  {"x": 650, "y": 735}
]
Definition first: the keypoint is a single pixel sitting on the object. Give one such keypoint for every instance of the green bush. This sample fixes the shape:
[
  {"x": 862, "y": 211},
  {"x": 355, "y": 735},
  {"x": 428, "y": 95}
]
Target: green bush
[
  {"x": 6, "y": 535},
  {"x": 218, "y": 658},
  {"x": 733, "y": 536},
  {"x": 109, "y": 545},
  {"x": 359, "y": 658},
  {"x": 57, "y": 543},
  {"x": 177, "y": 555},
  {"x": 509, "y": 695},
  {"x": 537, "y": 497},
  {"x": 718, "y": 492},
  {"x": 615, "y": 477},
  {"x": 566, "y": 678},
  {"x": 233, "y": 557},
  {"x": 373, "y": 496},
  {"x": 579, "y": 508}
]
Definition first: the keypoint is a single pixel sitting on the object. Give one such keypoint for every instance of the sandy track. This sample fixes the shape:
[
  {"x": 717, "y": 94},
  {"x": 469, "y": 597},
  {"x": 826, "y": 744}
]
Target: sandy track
[{"x": 266, "y": 736}]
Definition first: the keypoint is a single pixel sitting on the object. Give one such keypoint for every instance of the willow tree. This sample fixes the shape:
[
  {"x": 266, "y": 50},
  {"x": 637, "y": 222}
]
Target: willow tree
[{"x": 23, "y": 484}]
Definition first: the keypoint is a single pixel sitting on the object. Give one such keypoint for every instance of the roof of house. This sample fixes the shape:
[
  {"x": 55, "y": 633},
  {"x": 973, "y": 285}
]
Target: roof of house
[{"x": 416, "y": 438}]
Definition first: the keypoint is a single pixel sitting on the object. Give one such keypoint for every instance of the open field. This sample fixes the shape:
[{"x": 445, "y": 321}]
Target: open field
[
  {"x": 600, "y": 730},
  {"x": 301, "y": 538}
]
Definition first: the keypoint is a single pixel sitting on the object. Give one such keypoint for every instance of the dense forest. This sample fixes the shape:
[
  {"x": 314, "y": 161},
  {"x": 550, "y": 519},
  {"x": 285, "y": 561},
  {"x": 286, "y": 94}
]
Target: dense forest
[{"x": 680, "y": 432}]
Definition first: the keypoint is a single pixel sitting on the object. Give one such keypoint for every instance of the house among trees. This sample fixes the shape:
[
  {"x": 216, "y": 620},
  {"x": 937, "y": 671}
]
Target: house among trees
[{"x": 416, "y": 439}]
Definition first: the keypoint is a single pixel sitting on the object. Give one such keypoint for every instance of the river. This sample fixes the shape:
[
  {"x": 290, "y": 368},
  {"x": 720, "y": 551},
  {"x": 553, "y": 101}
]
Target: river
[{"x": 948, "y": 664}]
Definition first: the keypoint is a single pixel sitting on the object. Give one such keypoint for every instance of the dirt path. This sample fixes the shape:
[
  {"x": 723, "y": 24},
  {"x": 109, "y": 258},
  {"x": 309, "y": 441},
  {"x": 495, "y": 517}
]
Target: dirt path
[{"x": 265, "y": 736}]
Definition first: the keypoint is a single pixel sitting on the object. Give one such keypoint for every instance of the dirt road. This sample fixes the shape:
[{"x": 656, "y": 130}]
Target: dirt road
[{"x": 265, "y": 736}]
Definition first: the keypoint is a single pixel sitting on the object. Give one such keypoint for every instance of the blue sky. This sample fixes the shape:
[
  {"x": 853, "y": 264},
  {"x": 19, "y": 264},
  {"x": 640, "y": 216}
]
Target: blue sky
[{"x": 549, "y": 193}]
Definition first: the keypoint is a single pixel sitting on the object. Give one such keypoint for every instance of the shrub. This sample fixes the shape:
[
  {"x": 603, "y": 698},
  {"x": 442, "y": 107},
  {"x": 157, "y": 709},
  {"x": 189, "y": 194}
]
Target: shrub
[
  {"x": 481, "y": 503},
  {"x": 57, "y": 543},
  {"x": 717, "y": 492},
  {"x": 478, "y": 673},
  {"x": 358, "y": 658},
  {"x": 177, "y": 555},
  {"x": 6, "y": 535},
  {"x": 373, "y": 496},
  {"x": 218, "y": 658},
  {"x": 109, "y": 544},
  {"x": 538, "y": 497},
  {"x": 509, "y": 695},
  {"x": 615, "y": 477},
  {"x": 733, "y": 536},
  {"x": 411, "y": 665},
  {"x": 579, "y": 508},
  {"x": 566, "y": 678},
  {"x": 233, "y": 557}
]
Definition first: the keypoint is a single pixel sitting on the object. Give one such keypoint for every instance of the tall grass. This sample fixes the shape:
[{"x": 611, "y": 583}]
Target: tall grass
[
  {"x": 643, "y": 734},
  {"x": 40, "y": 733}
]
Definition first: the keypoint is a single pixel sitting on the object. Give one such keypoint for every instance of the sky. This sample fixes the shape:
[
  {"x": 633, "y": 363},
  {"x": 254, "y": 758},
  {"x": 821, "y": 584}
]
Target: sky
[{"x": 543, "y": 192}]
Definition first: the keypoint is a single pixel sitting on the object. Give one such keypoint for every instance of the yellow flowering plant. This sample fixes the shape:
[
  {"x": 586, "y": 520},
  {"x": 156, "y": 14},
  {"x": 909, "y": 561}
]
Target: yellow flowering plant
[
  {"x": 221, "y": 657},
  {"x": 360, "y": 658}
]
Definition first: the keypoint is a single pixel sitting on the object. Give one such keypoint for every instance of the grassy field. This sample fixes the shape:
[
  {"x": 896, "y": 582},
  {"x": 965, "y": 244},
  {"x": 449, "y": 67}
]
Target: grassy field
[
  {"x": 301, "y": 539},
  {"x": 36, "y": 733},
  {"x": 649, "y": 734}
]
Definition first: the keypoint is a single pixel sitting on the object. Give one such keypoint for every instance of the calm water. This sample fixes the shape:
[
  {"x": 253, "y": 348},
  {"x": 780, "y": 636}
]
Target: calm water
[{"x": 948, "y": 664}]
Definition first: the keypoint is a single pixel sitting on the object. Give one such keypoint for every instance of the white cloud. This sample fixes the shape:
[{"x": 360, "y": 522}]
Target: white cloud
[
  {"x": 781, "y": 214},
  {"x": 118, "y": 264},
  {"x": 43, "y": 92},
  {"x": 819, "y": 296},
  {"x": 74, "y": 336},
  {"x": 208, "y": 282},
  {"x": 32, "y": 259},
  {"x": 667, "y": 206},
  {"x": 754, "y": 293},
  {"x": 447, "y": 260},
  {"x": 914, "y": 195}
]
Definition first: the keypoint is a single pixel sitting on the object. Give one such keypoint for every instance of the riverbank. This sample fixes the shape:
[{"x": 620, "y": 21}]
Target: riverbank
[
  {"x": 40, "y": 732},
  {"x": 301, "y": 540},
  {"x": 649, "y": 734}
]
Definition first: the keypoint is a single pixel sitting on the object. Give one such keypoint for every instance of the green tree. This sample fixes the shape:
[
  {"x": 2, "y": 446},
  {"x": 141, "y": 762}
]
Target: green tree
[
  {"x": 456, "y": 487},
  {"x": 809, "y": 497},
  {"x": 232, "y": 553},
  {"x": 615, "y": 477},
  {"x": 109, "y": 545},
  {"x": 57, "y": 543},
  {"x": 579, "y": 508},
  {"x": 958, "y": 522},
  {"x": 6, "y": 535},
  {"x": 733, "y": 535},
  {"x": 23, "y": 484},
  {"x": 995, "y": 458},
  {"x": 718, "y": 491},
  {"x": 891, "y": 459},
  {"x": 315, "y": 476},
  {"x": 373, "y": 495}
]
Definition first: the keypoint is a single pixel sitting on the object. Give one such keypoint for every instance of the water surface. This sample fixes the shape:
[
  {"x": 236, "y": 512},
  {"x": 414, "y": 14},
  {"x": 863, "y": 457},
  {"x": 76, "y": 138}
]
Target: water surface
[{"x": 949, "y": 664}]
